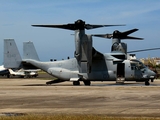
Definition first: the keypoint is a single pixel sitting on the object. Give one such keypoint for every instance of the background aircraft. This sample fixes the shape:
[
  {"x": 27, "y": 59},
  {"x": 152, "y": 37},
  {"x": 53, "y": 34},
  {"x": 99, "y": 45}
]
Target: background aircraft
[
  {"x": 4, "y": 71},
  {"x": 88, "y": 64},
  {"x": 14, "y": 60},
  {"x": 24, "y": 73}
]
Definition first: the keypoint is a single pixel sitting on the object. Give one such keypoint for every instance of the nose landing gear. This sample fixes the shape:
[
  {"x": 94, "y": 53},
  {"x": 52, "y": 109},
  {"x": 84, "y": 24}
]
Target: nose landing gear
[{"x": 147, "y": 83}]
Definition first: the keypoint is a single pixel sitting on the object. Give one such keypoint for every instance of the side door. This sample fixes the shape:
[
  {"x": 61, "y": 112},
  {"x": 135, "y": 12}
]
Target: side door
[{"x": 120, "y": 72}]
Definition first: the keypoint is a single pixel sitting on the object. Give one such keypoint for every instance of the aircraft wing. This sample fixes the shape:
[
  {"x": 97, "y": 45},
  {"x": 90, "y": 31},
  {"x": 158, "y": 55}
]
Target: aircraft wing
[
  {"x": 32, "y": 70},
  {"x": 96, "y": 55}
]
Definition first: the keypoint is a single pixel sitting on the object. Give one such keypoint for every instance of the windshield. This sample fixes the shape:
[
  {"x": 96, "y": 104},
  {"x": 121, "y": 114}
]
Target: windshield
[{"x": 138, "y": 64}]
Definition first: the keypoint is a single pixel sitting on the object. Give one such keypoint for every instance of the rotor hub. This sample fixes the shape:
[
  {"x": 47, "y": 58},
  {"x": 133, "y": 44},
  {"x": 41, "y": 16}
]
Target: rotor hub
[
  {"x": 79, "y": 24},
  {"x": 116, "y": 34}
]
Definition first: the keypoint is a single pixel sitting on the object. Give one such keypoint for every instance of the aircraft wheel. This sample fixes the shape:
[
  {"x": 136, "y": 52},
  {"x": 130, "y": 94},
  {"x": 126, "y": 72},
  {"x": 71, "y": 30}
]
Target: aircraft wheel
[
  {"x": 87, "y": 82},
  {"x": 152, "y": 80},
  {"x": 8, "y": 76},
  {"x": 76, "y": 83},
  {"x": 147, "y": 83}
]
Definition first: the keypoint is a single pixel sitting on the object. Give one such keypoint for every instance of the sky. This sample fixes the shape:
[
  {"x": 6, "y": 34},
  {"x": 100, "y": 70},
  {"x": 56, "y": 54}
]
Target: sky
[{"x": 17, "y": 16}]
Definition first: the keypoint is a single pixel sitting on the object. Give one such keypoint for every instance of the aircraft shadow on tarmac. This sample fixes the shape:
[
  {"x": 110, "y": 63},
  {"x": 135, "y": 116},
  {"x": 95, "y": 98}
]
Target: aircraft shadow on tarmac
[
  {"x": 35, "y": 85},
  {"x": 98, "y": 84}
]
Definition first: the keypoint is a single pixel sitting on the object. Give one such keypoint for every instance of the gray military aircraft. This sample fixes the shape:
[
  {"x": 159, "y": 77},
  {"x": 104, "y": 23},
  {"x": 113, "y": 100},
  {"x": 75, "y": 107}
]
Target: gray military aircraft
[
  {"x": 118, "y": 46},
  {"x": 88, "y": 64}
]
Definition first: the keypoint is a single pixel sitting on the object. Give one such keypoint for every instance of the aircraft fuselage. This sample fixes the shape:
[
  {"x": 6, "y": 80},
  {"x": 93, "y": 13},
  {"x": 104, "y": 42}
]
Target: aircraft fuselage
[{"x": 106, "y": 69}]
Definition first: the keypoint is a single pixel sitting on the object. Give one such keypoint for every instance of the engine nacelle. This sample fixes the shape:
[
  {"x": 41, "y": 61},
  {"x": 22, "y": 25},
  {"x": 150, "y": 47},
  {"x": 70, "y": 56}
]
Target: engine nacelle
[
  {"x": 83, "y": 53},
  {"x": 119, "y": 47}
]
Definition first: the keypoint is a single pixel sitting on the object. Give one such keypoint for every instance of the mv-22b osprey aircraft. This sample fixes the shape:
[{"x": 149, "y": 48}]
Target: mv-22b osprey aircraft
[{"x": 89, "y": 64}]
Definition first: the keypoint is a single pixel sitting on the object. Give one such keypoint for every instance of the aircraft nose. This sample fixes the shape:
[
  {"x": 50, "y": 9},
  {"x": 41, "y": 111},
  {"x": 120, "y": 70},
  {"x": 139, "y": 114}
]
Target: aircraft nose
[{"x": 152, "y": 74}]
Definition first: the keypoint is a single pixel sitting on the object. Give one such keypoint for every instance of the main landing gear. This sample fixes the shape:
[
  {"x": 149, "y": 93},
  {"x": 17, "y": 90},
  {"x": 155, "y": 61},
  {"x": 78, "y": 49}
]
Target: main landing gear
[
  {"x": 54, "y": 81},
  {"x": 147, "y": 83},
  {"x": 76, "y": 83},
  {"x": 86, "y": 82}
]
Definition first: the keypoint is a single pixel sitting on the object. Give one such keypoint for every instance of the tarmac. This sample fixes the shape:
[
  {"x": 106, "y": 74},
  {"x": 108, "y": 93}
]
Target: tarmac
[{"x": 33, "y": 96}]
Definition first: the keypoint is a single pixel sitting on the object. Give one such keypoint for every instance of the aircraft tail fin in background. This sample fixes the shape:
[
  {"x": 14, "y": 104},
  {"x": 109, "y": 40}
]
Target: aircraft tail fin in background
[
  {"x": 29, "y": 51},
  {"x": 11, "y": 72},
  {"x": 12, "y": 58}
]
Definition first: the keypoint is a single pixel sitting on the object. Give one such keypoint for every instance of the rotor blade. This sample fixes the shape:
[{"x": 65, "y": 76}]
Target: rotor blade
[
  {"x": 103, "y": 35},
  {"x": 88, "y": 26},
  {"x": 77, "y": 25},
  {"x": 129, "y": 32},
  {"x": 119, "y": 35},
  {"x": 143, "y": 50},
  {"x": 65, "y": 26},
  {"x": 124, "y": 35},
  {"x": 74, "y": 27},
  {"x": 111, "y": 35},
  {"x": 136, "y": 38}
]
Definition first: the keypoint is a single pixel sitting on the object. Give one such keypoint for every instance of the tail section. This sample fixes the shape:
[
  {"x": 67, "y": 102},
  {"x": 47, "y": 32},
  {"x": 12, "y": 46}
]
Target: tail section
[
  {"x": 12, "y": 58},
  {"x": 29, "y": 51},
  {"x": 11, "y": 72}
]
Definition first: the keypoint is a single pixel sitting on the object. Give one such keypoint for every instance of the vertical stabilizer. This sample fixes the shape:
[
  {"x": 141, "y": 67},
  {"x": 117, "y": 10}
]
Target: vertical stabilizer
[
  {"x": 29, "y": 51},
  {"x": 12, "y": 58},
  {"x": 11, "y": 72}
]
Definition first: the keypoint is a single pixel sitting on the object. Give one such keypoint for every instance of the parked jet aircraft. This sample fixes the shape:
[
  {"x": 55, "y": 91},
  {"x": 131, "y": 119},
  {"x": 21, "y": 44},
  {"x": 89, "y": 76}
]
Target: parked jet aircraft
[
  {"x": 88, "y": 64},
  {"x": 24, "y": 73},
  {"x": 4, "y": 71},
  {"x": 28, "y": 70}
]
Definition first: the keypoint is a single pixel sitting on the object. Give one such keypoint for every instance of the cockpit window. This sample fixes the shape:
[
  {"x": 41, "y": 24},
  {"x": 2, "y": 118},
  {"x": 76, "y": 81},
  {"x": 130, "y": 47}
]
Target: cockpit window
[
  {"x": 137, "y": 63},
  {"x": 134, "y": 66}
]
